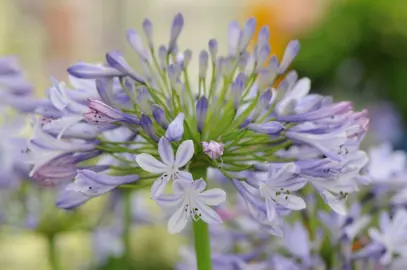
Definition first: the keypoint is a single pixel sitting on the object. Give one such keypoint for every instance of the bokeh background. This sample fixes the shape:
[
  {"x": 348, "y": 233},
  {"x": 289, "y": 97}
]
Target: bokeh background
[{"x": 351, "y": 49}]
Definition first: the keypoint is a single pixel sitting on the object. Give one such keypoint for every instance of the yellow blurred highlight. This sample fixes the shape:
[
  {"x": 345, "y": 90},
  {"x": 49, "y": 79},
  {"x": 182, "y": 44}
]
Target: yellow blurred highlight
[{"x": 287, "y": 19}]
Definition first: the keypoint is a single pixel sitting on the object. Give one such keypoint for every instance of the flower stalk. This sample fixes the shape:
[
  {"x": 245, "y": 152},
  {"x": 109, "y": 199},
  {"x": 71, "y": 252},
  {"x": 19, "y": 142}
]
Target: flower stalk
[
  {"x": 201, "y": 231},
  {"x": 52, "y": 252},
  {"x": 127, "y": 220}
]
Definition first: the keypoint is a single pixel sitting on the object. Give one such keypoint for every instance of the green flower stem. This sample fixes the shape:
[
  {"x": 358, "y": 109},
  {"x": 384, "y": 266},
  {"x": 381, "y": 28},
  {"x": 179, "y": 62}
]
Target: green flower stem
[
  {"x": 127, "y": 216},
  {"x": 201, "y": 231},
  {"x": 52, "y": 252}
]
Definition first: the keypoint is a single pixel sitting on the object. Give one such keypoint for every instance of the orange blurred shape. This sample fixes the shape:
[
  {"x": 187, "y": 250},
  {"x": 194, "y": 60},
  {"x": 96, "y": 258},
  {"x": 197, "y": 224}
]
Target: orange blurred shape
[
  {"x": 285, "y": 18},
  {"x": 359, "y": 243},
  {"x": 59, "y": 23}
]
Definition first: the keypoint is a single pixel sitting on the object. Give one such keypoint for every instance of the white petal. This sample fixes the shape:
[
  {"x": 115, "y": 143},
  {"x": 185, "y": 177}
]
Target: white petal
[
  {"x": 336, "y": 204},
  {"x": 352, "y": 230},
  {"x": 213, "y": 196},
  {"x": 159, "y": 186},
  {"x": 178, "y": 221},
  {"x": 292, "y": 184},
  {"x": 285, "y": 173},
  {"x": 184, "y": 153},
  {"x": 386, "y": 258},
  {"x": 181, "y": 185},
  {"x": 165, "y": 151},
  {"x": 150, "y": 164},
  {"x": 300, "y": 89},
  {"x": 290, "y": 201},
  {"x": 199, "y": 185},
  {"x": 271, "y": 210},
  {"x": 169, "y": 200},
  {"x": 208, "y": 214},
  {"x": 384, "y": 221},
  {"x": 185, "y": 176}
]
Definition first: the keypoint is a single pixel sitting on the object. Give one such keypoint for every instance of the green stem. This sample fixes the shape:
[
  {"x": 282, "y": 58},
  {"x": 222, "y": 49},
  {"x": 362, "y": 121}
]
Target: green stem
[
  {"x": 201, "y": 231},
  {"x": 127, "y": 216},
  {"x": 52, "y": 252}
]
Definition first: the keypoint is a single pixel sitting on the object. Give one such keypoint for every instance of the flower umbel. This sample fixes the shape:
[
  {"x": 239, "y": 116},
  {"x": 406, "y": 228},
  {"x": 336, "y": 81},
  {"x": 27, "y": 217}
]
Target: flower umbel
[{"x": 250, "y": 118}]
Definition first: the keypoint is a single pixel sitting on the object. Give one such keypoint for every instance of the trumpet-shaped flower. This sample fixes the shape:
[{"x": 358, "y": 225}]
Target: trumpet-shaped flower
[
  {"x": 169, "y": 165},
  {"x": 191, "y": 201}
]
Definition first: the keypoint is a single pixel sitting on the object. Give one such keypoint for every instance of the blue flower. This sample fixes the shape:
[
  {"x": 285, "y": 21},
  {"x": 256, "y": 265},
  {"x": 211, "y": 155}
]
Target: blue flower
[
  {"x": 390, "y": 240},
  {"x": 89, "y": 184},
  {"x": 190, "y": 201},
  {"x": 169, "y": 166}
]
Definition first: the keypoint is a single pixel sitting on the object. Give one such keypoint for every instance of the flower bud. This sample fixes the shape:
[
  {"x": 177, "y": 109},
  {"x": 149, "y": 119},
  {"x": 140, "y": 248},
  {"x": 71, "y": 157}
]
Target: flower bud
[
  {"x": 213, "y": 149},
  {"x": 175, "y": 129}
]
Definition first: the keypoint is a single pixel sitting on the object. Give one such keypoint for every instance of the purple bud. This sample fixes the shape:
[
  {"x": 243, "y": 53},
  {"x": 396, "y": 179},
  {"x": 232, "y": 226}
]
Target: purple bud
[
  {"x": 201, "y": 109},
  {"x": 247, "y": 34},
  {"x": 243, "y": 62},
  {"x": 175, "y": 129},
  {"x": 148, "y": 31},
  {"x": 219, "y": 66},
  {"x": 213, "y": 49},
  {"x": 213, "y": 149},
  {"x": 264, "y": 101},
  {"x": 9, "y": 65},
  {"x": 290, "y": 53},
  {"x": 265, "y": 78},
  {"x": 250, "y": 64},
  {"x": 270, "y": 128},
  {"x": 137, "y": 44},
  {"x": 116, "y": 60},
  {"x": 245, "y": 123},
  {"x": 159, "y": 116},
  {"x": 15, "y": 84},
  {"x": 228, "y": 65},
  {"x": 264, "y": 36},
  {"x": 233, "y": 37},
  {"x": 176, "y": 28},
  {"x": 92, "y": 71},
  {"x": 273, "y": 64},
  {"x": 262, "y": 56},
  {"x": 147, "y": 125},
  {"x": 174, "y": 53},
  {"x": 174, "y": 71},
  {"x": 187, "y": 58},
  {"x": 203, "y": 64},
  {"x": 162, "y": 55},
  {"x": 101, "y": 114},
  {"x": 143, "y": 100},
  {"x": 237, "y": 89},
  {"x": 104, "y": 87},
  {"x": 288, "y": 81}
]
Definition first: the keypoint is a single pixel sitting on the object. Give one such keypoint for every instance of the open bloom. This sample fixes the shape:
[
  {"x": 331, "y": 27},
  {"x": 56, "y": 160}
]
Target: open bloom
[
  {"x": 169, "y": 166},
  {"x": 191, "y": 201},
  {"x": 390, "y": 240},
  {"x": 89, "y": 184},
  {"x": 276, "y": 187}
]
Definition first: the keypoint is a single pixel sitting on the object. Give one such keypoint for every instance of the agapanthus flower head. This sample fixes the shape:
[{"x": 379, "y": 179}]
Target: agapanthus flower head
[{"x": 247, "y": 110}]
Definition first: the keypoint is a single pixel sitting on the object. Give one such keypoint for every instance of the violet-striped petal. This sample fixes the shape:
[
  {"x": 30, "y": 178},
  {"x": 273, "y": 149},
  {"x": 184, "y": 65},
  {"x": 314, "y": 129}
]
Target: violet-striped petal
[
  {"x": 166, "y": 152},
  {"x": 184, "y": 153},
  {"x": 150, "y": 164}
]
